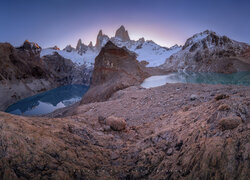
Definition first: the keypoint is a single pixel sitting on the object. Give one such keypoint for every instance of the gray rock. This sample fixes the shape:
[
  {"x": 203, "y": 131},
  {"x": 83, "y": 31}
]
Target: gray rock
[
  {"x": 170, "y": 152},
  {"x": 193, "y": 97}
]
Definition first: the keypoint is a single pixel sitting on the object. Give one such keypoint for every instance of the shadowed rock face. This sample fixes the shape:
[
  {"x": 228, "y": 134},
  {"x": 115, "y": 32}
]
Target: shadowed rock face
[
  {"x": 23, "y": 73},
  {"x": 115, "y": 69}
]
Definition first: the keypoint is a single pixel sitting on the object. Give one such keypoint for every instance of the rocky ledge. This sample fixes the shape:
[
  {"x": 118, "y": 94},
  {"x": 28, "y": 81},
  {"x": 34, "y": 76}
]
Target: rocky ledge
[{"x": 176, "y": 131}]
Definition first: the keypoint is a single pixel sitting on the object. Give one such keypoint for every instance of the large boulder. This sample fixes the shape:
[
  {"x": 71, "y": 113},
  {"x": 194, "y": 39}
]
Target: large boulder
[{"x": 115, "y": 69}]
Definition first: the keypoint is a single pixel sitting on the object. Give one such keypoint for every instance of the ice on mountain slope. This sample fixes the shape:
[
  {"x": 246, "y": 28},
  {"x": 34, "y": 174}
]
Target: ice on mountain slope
[
  {"x": 88, "y": 58},
  {"x": 148, "y": 51}
]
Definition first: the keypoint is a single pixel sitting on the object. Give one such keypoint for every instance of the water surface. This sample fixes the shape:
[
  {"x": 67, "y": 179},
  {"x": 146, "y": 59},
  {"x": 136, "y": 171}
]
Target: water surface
[
  {"x": 48, "y": 101},
  {"x": 239, "y": 78}
]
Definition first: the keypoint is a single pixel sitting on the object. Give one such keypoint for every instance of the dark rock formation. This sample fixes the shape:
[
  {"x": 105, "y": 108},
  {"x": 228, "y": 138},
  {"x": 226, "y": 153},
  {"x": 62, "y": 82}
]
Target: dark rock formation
[
  {"x": 23, "y": 73},
  {"x": 115, "y": 69}
]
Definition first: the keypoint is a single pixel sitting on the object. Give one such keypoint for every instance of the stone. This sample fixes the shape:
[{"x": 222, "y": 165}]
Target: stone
[
  {"x": 223, "y": 107},
  {"x": 116, "y": 123},
  {"x": 101, "y": 119},
  {"x": 193, "y": 97},
  {"x": 229, "y": 122},
  {"x": 221, "y": 96},
  {"x": 170, "y": 152}
]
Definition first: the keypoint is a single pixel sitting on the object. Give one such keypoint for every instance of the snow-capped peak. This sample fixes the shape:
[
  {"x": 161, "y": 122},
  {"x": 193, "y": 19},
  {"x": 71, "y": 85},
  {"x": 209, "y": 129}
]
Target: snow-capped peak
[{"x": 148, "y": 50}]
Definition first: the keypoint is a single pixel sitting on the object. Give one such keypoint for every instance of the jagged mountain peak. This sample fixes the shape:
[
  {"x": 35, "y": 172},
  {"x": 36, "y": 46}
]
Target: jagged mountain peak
[
  {"x": 69, "y": 48},
  {"x": 79, "y": 44},
  {"x": 100, "y": 33},
  {"x": 206, "y": 39},
  {"x": 90, "y": 44},
  {"x": 101, "y": 39},
  {"x": 30, "y": 46},
  {"x": 122, "y": 34}
]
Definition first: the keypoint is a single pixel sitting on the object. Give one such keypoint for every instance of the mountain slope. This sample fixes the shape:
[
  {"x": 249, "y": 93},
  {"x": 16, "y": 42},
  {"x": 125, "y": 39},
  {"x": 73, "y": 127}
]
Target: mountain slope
[
  {"x": 23, "y": 73},
  {"x": 210, "y": 52}
]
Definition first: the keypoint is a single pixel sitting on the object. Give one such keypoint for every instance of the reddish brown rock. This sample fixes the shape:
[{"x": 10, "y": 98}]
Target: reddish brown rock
[
  {"x": 116, "y": 123},
  {"x": 230, "y": 122},
  {"x": 115, "y": 69}
]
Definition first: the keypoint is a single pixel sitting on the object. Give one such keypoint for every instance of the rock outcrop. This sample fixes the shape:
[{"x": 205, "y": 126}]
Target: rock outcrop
[
  {"x": 22, "y": 73},
  {"x": 209, "y": 52},
  {"x": 115, "y": 68},
  {"x": 122, "y": 34}
]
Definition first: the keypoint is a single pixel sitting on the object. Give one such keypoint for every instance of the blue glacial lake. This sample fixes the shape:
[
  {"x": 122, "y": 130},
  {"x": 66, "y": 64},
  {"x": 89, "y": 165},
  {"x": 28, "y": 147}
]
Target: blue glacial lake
[
  {"x": 48, "y": 101},
  {"x": 239, "y": 78}
]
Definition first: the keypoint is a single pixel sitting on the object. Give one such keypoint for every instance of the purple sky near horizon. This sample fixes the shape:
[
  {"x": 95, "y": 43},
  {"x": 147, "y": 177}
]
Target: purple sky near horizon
[{"x": 167, "y": 22}]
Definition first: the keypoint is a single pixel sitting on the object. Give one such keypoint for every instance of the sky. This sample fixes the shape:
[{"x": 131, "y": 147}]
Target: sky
[{"x": 167, "y": 22}]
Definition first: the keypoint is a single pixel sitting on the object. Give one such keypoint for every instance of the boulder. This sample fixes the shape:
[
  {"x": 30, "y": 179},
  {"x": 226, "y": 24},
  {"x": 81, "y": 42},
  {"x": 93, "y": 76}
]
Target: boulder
[
  {"x": 229, "y": 122},
  {"x": 116, "y": 123}
]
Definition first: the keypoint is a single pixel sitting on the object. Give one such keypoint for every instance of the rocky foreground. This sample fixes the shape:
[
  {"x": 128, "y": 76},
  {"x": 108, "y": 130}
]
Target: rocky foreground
[{"x": 176, "y": 131}]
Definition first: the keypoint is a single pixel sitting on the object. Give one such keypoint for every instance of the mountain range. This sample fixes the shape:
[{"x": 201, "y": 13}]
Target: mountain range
[
  {"x": 148, "y": 50},
  {"x": 206, "y": 51}
]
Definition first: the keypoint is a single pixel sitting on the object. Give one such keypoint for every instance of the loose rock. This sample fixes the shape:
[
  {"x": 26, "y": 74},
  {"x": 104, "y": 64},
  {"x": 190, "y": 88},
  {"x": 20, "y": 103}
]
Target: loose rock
[
  {"x": 116, "y": 123},
  {"x": 229, "y": 122}
]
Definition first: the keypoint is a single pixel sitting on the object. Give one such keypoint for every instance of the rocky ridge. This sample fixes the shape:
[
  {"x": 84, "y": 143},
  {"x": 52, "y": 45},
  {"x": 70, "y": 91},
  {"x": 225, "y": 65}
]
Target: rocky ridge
[
  {"x": 23, "y": 73},
  {"x": 210, "y": 52}
]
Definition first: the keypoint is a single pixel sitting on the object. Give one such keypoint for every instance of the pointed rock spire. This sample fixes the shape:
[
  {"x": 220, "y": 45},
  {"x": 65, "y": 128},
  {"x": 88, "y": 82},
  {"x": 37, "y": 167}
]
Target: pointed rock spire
[
  {"x": 101, "y": 39},
  {"x": 90, "y": 44},
  {"x": 98, "y": 39},
  {"x": 79, "y": 44},
  {"x": 122, "y": 34}
]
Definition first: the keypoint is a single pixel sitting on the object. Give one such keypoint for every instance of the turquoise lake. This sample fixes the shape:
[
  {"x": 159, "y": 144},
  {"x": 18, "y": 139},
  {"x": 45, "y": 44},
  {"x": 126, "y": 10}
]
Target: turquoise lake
[{"x": 239, "y": 78}]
